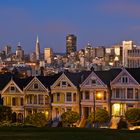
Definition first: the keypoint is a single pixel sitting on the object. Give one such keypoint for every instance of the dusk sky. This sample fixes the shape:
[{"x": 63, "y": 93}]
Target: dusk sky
[{"x": 99, "y": 22}]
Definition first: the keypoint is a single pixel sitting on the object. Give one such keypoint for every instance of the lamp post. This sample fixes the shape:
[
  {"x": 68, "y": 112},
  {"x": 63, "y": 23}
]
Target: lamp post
[
  {"x": 94, "y": 95},
  {"x": 99, "y": 95}
]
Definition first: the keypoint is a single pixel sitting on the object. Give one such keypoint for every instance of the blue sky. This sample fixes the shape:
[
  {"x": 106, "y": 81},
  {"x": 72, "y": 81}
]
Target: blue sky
[{"x": 99, "y": 22}]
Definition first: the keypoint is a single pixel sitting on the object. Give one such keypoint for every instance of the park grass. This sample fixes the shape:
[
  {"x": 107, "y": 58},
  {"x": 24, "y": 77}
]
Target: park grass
[{"x": 15, "y": 133}]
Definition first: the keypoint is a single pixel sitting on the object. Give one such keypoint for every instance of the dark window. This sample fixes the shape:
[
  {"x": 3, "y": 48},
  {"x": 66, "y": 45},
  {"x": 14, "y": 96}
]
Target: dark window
[
  {"x": 93, "y": 81},
  {"x": 13, "y": 101},
  {"x": 68, "y": 109},
  {"x": 40, "y": 99},
  {"x": 124, "y": 80},
  {"x": 87, "y": 95},
  {"x": 74, "y": 97},
  {"x": 130, "y": 93},
  {"x": 64, "y": 83},
  {"x": 105, "y": 95},
  {"x": 35, "y": 99},
  {"x": 68, "y": 96},
  {"x": 12, "y": 89},
  {"x": 36, "y": 86},
  {"x": 136, "y": 94},
  {"x": 58, "y": 97},
  {"x": 21, "y": 101},
  {"x": 117, "y": 93}
]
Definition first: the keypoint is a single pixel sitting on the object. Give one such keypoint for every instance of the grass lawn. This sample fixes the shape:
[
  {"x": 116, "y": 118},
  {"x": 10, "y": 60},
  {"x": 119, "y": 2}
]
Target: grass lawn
[{"x": 15, "y": 133}]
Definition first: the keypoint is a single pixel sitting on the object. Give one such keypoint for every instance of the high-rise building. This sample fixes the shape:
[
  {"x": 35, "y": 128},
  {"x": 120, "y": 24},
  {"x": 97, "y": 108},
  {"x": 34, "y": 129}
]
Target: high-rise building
[
  {"x": 37, "y": 49},
  {"x": 126, "y": 45},
  {"x": 19, "y": 52},
  {"x": 33, "y": 57},
  {"x": 7, "y": 50},
  {"x": 71, "y": 41},
  {"x": 48, "y": 55}
]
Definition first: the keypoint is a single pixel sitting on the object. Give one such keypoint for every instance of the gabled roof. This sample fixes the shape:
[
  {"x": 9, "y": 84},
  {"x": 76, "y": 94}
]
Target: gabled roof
[
  {"x": 47, "y": 81},
  {"x": 4, "y": 79},
  {"x": 75, "y": 78},
  {"x": 22, "y": 82},
  {"x": 135, "y": 73},
  {"x": 108, "y": 76}
]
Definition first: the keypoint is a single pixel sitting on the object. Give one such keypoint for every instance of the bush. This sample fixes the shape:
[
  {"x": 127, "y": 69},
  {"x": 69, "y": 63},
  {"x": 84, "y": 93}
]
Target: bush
[
  {"x": 133, "y": 116},
  {"x": 37, "y": 120},
  {"x": 101, "y": 116},
  {"x": 69, "y": 117},
  {"x": 122, "y": 124},
  {"x": 5, "y": 113}
]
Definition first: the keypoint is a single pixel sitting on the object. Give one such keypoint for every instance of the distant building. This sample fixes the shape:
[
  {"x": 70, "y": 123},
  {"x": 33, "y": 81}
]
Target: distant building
[
  {"x": 8, "y": 50},
  {"x": 100, "y": 52},
  {"x": 126, "y": 45},
  {"x": 133, "y": 58},
  {"x": 37, "y": 49},
  {"x": 19, "y": 53},
  {"x": 33, "y": 57},
  {"x": 71, "y": 41},
  {"x": 48, "y": 55}
]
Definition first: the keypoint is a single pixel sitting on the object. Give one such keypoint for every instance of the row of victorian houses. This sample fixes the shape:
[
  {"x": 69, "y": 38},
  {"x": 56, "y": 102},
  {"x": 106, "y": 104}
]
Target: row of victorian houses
[{"x": 115, "y": 90}]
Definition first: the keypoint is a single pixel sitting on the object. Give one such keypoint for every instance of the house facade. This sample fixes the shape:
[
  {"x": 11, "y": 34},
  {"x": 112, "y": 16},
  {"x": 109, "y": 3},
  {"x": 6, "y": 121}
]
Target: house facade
[
  {"x": 115, "y": 90},
  {"x": 94, "y": 94},
  {"x": 65, "y": 96}
]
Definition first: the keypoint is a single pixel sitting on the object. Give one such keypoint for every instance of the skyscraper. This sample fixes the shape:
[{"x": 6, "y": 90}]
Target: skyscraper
[
  {"x": 7, "y": 50},
  {"x": 19, "y": 52},
  {"x": 48, "y": 55},
  {"x": 37, "y": 49},
  {"x": 126, "y": 45},
  {"x": 71, "y": 41}
]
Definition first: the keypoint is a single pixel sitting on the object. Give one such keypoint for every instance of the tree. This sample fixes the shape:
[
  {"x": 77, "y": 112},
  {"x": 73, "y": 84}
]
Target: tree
[
  {"x": 5, "y": 113},
  {"x": 70, "y": 117},
  {"x": 133, "y": 116},
  {"x": 101, "y": 116},
  {"x": 37, "y": 119}
]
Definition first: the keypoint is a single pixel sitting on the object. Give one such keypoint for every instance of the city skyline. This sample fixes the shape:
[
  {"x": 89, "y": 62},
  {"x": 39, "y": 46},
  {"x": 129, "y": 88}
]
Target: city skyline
[{"x": 99, "y": 23}]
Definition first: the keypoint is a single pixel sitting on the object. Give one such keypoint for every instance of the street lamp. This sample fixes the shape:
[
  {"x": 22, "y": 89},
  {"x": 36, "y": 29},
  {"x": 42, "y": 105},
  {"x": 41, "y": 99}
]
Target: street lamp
[{"x": 99, "y": 96}]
